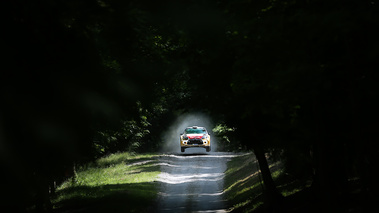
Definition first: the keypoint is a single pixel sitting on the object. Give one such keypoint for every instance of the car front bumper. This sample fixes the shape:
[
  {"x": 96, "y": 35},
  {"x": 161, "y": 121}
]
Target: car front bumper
[{"x": 195, "y": 143}]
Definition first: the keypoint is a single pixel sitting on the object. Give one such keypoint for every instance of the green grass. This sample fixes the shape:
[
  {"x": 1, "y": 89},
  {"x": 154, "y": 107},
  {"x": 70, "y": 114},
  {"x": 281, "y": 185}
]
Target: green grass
[
  {"x": 121, "y": 182},
  {"x": 243, "y": 185}
]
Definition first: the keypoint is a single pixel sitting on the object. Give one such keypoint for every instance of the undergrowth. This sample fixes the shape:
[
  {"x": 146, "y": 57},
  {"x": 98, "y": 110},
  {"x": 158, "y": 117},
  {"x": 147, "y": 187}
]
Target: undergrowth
[{"x": 243, "y": 184}]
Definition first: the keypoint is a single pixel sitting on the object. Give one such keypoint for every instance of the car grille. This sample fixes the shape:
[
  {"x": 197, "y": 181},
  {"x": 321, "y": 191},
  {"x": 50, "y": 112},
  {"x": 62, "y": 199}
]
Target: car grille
[{"x": 195, "y": 141}]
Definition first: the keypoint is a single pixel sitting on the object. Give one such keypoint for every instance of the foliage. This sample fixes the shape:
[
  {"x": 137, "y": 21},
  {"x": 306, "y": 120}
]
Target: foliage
[{"x": 222, "y": 132}]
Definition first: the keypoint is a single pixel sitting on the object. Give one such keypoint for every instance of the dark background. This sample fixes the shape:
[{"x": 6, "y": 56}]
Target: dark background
[{"x": 295, "y": 79}]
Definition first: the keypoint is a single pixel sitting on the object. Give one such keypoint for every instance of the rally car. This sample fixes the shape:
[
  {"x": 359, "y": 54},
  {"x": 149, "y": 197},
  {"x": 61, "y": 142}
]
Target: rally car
[{"x": 195, "y": 137}]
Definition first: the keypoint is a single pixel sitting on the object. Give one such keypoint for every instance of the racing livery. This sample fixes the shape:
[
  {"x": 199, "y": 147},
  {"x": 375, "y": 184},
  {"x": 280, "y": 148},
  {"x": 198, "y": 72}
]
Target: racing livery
[{"x": 195, "y": 137}]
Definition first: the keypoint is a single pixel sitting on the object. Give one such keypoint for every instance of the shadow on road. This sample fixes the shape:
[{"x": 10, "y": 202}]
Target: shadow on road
[
  {"x": 193, "y": 154},
  {"x": 192, "y": 182}
]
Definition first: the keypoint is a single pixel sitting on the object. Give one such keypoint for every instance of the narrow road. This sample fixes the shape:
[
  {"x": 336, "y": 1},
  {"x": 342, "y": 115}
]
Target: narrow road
[{"x": 192, "y": 181}]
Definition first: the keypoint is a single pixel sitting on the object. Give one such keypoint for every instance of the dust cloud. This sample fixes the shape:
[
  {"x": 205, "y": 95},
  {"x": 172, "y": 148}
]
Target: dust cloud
[{"x": 170, "y": 138}]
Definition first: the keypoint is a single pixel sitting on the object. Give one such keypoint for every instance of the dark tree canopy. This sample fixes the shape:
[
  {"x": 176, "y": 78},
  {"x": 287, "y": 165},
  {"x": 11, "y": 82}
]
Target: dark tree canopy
[{"x": 296, "y": 79}]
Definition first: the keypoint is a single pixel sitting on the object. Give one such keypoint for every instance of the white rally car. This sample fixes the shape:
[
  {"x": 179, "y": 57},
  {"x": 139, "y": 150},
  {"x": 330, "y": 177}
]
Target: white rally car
[{"x": 195, "y": 136}]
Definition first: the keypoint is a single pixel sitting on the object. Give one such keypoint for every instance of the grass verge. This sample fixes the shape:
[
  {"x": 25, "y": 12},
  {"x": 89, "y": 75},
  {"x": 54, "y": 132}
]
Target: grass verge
[
  {"x": 243, "y": 184},
  {"x": 121, "y": 182}
]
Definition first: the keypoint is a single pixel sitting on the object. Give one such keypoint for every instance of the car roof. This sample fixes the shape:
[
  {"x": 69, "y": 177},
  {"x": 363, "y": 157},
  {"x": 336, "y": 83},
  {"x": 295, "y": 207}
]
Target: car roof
[{"x": 195, "y": 127}]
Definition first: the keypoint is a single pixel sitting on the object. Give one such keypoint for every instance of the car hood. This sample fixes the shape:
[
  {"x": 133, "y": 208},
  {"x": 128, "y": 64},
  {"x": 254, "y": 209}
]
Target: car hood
[{"x": 195, "y": 136}]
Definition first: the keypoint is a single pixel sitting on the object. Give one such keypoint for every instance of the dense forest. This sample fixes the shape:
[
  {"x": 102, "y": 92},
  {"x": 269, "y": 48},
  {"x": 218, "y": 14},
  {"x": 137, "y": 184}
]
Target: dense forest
[{"x": 297, "y": 80}]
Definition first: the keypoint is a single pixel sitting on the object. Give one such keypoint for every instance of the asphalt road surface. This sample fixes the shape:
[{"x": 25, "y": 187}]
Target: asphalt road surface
[{"x": 192, "y": 181}]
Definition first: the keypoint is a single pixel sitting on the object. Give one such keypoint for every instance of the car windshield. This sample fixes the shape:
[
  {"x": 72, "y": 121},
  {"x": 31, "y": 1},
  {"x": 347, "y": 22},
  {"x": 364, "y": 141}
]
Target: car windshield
[{"x": 195, "y": 131}]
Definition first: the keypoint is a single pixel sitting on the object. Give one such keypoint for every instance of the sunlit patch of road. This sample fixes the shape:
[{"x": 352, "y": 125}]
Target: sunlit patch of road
[
  {"x": 192, "y": 182},
  {"x": 178, "y": 179}
]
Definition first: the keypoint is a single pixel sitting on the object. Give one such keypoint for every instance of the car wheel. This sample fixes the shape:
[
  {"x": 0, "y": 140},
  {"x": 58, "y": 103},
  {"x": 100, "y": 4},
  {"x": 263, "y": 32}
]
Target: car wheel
[
  {"x": 182, "y": 149},
  {"x": 208, "y": 149}
]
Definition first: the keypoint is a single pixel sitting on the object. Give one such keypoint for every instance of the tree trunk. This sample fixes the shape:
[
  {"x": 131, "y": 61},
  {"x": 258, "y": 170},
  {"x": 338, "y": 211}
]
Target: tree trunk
[{"x": 273, "y": 198}]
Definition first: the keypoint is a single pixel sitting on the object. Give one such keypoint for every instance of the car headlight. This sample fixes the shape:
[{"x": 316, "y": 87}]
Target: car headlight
[
  {"x": 185, "y": 138},
  {"x": 204, "y": 137}
]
